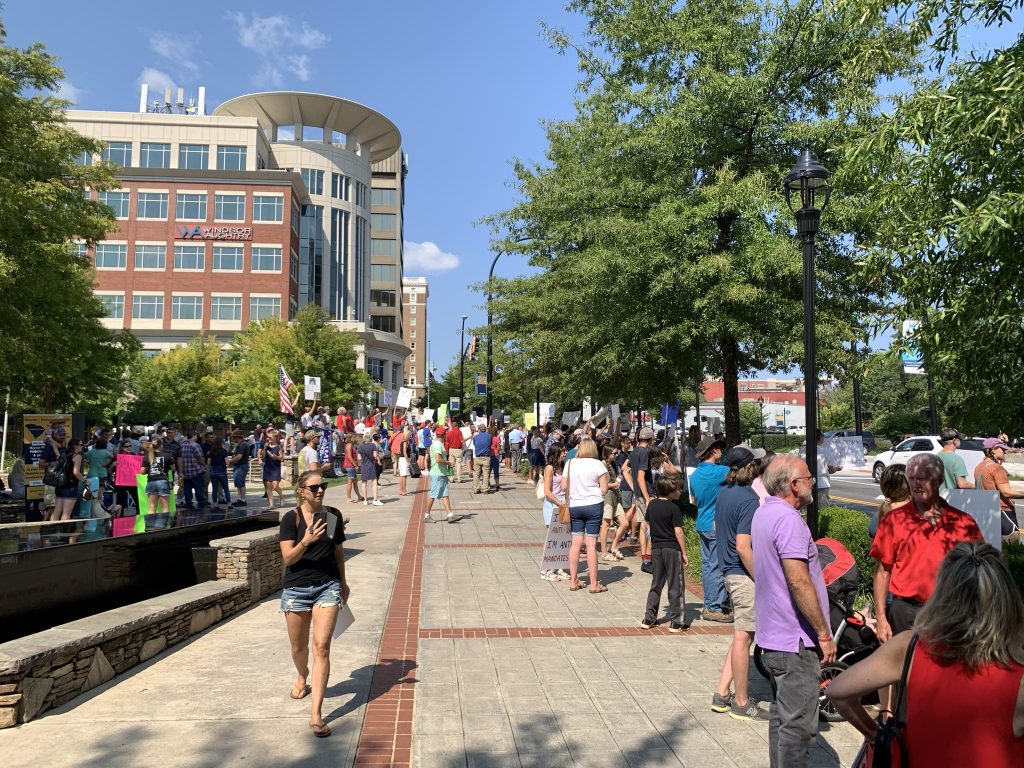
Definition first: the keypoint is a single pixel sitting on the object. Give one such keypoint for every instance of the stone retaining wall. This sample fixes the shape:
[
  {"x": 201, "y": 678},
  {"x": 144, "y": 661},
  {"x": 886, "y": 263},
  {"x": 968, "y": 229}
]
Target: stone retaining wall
[
  {"x": 254, "y": 558},
  {"x": 49, "y": 668}
]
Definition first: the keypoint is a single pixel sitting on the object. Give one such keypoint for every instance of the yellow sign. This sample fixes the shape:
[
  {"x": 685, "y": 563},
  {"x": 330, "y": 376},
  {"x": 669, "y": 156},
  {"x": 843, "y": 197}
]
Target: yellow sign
[
  {"x": 530, "y": 420},
  {"x": 37, "y": 428}
]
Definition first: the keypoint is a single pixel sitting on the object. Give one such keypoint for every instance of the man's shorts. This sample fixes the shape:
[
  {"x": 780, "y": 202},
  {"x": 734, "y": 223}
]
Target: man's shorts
[
  {"x": 741, "y": 594},
  {"x": 640, "y": 504},
  {"x": 438, "y": 486},
  {"x": 421, "y": 451},
  {"x": 289, "y": 428},
  {"x": 625, "y": 498}
]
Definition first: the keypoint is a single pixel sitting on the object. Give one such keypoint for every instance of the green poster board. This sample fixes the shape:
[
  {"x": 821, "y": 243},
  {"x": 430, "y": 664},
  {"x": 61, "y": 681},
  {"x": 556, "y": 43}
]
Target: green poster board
[{"x": 140, "y": 519}]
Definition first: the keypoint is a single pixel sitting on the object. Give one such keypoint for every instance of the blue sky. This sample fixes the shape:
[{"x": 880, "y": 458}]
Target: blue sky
[{"x": 467, "y": 84}]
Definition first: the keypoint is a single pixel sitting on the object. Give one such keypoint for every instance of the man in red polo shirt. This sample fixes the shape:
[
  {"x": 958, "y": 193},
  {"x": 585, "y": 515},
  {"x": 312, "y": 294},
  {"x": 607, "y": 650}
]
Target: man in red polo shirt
[
  {"x": 912, "y": 541},
  {"x": 453, "y": 444}
]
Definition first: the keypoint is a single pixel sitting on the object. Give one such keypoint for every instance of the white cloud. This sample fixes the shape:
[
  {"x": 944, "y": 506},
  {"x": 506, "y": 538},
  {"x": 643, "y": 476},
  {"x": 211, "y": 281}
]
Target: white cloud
[
  {"x": 158, "y": 81},
  {"x": 65, "y": 90},
  {"x": 281, "y": 43},
  {"x": 428, "y": 257},
  {"x": 178, "y": 50}
]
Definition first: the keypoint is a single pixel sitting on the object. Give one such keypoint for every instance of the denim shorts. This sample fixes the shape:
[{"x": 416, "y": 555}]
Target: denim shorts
[
  {"x": 350, "y": 473},
  {"x": 240, "y": 473},
  {"x": 586, "y": 518},
  {"x": 302, "y": 599},
  {"x": 158, "y": 488}
]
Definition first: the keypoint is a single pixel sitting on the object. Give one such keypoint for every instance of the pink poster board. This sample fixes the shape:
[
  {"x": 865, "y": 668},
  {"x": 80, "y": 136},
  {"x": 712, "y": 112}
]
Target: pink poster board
[{"x": 128, "y": 466}]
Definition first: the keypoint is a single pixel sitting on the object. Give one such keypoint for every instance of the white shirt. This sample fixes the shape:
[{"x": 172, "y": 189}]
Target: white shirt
[
  {"x": 584, "y": 481},
  {"x": 310, "y": 457},
  {"x": 826, "y": 458}
]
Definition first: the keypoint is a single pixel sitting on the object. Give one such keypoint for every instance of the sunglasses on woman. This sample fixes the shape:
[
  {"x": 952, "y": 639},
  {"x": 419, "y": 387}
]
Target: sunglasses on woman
[{"x": 315, "y": 487}]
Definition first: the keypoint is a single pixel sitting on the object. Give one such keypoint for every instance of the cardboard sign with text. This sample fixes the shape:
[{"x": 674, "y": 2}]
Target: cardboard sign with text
[
  {"x": 404, "y": 397},
  {"x": 556, "y": 547},
  {"x": 983, "y": 506},
  {"x": 312, "y": 387}
]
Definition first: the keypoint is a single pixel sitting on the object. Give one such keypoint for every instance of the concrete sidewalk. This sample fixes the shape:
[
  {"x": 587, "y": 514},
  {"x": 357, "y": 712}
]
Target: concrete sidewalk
[{"x": 461, "y": 656}]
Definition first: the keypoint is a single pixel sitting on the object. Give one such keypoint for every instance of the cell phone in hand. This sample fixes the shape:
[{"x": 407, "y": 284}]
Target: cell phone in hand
[{"x": 319, "y": 517}]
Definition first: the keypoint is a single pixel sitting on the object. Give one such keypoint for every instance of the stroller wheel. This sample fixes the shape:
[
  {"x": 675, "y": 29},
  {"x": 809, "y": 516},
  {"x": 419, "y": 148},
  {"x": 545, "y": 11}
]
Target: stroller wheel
[
  {"x": 759, "y": 662},
  {"x": 826, "y": 709}
]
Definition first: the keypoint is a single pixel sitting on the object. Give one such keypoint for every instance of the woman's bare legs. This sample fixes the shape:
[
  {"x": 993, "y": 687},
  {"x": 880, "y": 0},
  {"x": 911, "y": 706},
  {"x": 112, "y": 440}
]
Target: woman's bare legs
[
  {"x": 324, "y": 618},
  {"x": 298, "y": 636},
  {"x": 574, "y": 559}
]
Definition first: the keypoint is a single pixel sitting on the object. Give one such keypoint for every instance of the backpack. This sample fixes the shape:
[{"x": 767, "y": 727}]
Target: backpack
[{"x": 58, "y": 472}]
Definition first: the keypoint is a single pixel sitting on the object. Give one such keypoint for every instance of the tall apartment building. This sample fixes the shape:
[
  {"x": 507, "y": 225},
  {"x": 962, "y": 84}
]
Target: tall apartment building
[
  {"x": 414, "y": 302},
  {"x": 264, "y": 206}
]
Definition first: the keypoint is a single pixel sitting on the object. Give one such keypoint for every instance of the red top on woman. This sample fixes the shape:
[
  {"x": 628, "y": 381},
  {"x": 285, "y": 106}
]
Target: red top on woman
[{"x": 959, "y": 717}]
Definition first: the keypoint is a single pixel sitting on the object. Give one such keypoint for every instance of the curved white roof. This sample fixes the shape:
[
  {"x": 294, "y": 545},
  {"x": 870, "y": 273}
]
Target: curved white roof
[{"x": 374, "y": 132}]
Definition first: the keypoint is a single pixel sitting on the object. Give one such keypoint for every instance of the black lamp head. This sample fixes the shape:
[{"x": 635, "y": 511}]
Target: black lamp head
[{"x": 809, "y": 178}]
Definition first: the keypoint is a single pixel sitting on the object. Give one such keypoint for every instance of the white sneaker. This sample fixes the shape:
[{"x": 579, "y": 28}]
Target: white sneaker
[
  {"x": 378, "y": 503},
  {"x": 366, "y": 502}
]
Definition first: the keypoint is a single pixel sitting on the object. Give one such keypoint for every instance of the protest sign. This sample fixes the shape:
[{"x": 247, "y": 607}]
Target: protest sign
[
  {"x": 556, "y": 547},
  {"x": 983, "y": 506},
  {"x": 312, "y": 387},
  {"x": 404, "y": 397},
  {"x": 442, "y": 413},
  {"x": 428, "y": 414},
  {"x": 38, "y": 427},
  {"x": 129, "y": 466}
]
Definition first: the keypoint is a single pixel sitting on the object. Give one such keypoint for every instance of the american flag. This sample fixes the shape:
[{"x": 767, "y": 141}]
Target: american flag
[{"x": 285, "y": 382}]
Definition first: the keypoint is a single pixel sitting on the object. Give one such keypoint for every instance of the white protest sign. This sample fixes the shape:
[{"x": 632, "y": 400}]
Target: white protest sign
[
  {"x": 845, "y": 451},
  {"x": 571, "y": 418},
  {"x": 404, "y": 397},
  {"x": 345, "y": 620},
  {"x": 556, "y": 547},
  {"x": 389, "y": 397},
  {"x": 466, "y": 432},
  {"x": 312, "y": 387},
  {"x": 983, "y": 506},
  {"x": 588, "y": 409},
  {"x": 616, "y": 413},
  {"x": 428, "y": 414},
  {"x": 600, "y": 416}
]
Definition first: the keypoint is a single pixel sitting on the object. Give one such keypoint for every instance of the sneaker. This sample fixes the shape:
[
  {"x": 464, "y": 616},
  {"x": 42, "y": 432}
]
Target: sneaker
[
  {"x": 675, "y": 627},
  {"x": 720, "y": 703},
  {"x": 749, "y": 712},
  {"x": 720, "y": 616},
  {"x": 366, "y": 502},
  {"x": 645, "y": 624},
  {"x": 429, "y": 519},
  {"x": 647, "y": 566},
  {"x": 377, "y": 503},
  {"x": 453, "y": 518}
]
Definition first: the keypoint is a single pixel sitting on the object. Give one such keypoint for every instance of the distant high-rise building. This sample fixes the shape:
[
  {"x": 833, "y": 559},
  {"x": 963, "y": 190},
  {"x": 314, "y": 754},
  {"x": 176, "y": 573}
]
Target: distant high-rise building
[{"x": 415, "y": 293}]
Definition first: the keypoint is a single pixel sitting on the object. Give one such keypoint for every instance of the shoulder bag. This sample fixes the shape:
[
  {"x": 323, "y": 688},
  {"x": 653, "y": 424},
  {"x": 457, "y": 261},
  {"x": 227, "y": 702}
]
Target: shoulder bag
[
  {"x": 563, "y": 508},
  {"x": 889, "y": 749},
  {"x": 540, "y": 488}
]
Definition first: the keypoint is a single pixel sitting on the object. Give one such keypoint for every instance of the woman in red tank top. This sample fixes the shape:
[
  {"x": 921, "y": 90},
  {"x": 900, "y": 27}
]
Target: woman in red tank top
[{"x": 965, "y": 690}]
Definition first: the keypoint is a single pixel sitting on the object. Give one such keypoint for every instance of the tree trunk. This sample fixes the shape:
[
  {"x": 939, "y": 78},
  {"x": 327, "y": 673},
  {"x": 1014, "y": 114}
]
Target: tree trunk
[{"x": 731, "y": 395}]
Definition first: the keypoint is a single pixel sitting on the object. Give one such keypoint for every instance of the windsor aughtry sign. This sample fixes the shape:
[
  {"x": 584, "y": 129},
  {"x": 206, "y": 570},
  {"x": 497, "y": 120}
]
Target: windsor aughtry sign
[{"x": 214, "y": 233}]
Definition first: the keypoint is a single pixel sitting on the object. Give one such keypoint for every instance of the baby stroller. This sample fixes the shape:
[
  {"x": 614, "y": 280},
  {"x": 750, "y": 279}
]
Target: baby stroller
[{"x": 854, "y": 638}]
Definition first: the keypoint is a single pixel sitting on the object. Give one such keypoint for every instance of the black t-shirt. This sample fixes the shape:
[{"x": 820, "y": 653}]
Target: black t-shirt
[
  {"x": 620, "y": 462},
  {"x": 170, "y": 452},
  {"x": 317, "y": 563},
  {"x": 664, "y": 517},
  {"x": 240, "y": 453},
  {"x": 158, "y": 469},
  {"x": 640, "y": 459}
]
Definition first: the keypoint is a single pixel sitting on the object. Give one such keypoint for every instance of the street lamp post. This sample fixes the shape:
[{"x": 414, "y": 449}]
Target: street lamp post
[
  {"x": 760, "y": 405},
  {"x": 428, "y": 373},
  {"x": 462, "y": 370},
  {"x": 809, "y": 180},
  {"x": 858, "y": 419}
]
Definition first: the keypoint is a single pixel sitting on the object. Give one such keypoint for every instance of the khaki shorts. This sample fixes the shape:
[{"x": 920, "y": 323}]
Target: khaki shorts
[
  {"x": 640, "y": 505},
  {"x": 611, "y": 505},
  {"x": 741, "y": 594}
]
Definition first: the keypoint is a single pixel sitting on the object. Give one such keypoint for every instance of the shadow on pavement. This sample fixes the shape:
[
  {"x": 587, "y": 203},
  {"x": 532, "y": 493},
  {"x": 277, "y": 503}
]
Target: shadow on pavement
[{"x": 374, "y": 679}]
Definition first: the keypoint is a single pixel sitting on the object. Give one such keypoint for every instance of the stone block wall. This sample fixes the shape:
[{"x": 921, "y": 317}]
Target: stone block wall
[
  {"x": 254, "y": 558},
  {"x": 49, "y": 668}
]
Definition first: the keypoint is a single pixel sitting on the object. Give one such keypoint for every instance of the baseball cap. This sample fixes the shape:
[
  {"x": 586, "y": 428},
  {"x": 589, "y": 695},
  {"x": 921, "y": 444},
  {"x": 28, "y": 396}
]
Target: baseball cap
[
  {"x": 60, "y": 431},
  {"x": 707, "y": 444},
  {"x": 994, "y": 442},
  {"x": 646, "y": 434},
  {"x": 440, "y": 430},
  {"x": 308, "y": 437},
  {"x": 740, "y": 456}
]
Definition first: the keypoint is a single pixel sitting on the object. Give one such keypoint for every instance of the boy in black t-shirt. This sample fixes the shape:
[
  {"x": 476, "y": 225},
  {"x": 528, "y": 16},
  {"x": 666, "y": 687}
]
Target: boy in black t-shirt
[{"x": 668, "y": 553}]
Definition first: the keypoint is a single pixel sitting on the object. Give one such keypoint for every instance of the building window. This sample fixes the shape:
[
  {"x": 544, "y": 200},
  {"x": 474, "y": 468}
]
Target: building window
[
  {"x": 150, "y": 256},
  {"x": 118, "y": 153},
  {"x": 383, "y": 247},
  {"x": 80, "y": 250},
  {"x": 151, "y": 205},
  {"x": 267, "y": 208},
  {"x": 227, "y": 258},
  {"x": 190, "y": 257},
  {"x": 147, "y": 307},
  {"x": 412, "y": 298},
  {"x": 339, "y": 186},
  {"x": 119, "y": 202},
  {"x": 412, "y": 309},
  {"x": 230, "y": 158},
  {"x": 412, "y": 358},
  {"x": 412, "y": 333},
  {"x": 375, "y": 368},
  {"x": 293, "y": 266},
  {"x": 384, "y": 323},
  {"x": 261, "y": 307},
  {"x": 383, "y": 196},
  {"x": 412, "y": 321},
  {"x": 229, "y": 208},
  {"x": 360, "y": 194},
  {"x": 383, "y": 222},
  {"x": 155, "y": 156},
  {"x": 191, "y": 206},
  {"x": 111, "y": 256},
  {"x": 266, "y": 258},
  {"x": 186, "y": 307},
  {"x": 385, "y": 273},
  {"x": 82, "y": 158},
  {"x": 113, "y": 304},
  {"x": 295, "y": 218},
  {"x": 226, "y": 308},
  {"x": 412, "y": 345},
  {"x": 382, "y": 298},
  {"x": 195, "y": 156},
  {"x": 314, "y": 180}
]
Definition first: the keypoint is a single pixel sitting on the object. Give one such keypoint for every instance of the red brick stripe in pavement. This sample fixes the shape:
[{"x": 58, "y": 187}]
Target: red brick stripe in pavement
[{"x": 535, "y": 632}]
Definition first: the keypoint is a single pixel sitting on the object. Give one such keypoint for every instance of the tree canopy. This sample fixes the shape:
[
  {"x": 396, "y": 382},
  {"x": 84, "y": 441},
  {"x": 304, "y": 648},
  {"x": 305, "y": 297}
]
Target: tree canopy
[{"x": 657, "y": 220}]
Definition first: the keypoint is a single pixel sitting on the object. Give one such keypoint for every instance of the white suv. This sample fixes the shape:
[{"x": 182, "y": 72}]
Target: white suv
[{"x": 969, "y": 450}]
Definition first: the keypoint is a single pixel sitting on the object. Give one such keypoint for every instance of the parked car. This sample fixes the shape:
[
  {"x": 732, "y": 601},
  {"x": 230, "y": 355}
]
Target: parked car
[
  {"x": 867, "y": 436},
  {"x": 969, "y": 449}
]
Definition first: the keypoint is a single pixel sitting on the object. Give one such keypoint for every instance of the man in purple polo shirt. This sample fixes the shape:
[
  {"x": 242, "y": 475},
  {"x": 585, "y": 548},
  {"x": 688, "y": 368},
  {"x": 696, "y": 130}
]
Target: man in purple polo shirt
[{"x": 791, "y": 610}]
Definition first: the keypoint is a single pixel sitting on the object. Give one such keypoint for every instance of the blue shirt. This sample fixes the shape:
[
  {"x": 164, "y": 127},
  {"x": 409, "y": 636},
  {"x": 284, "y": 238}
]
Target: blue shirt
[
  {"x": 734, "y": 514},
  {"x": 705, "y": 483},
  {"x": 481, "y": 444},
  {"x": 515, "y": 437}
]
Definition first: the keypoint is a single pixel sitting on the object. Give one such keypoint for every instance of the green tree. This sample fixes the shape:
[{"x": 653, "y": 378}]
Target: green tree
[
  {"x": 664, "y": 247},
  {"x": 944, "y": 173},
  {"x": 310, "y": 346},
  {"x": 53, "y": 345},
  {"x": 184, "y": 384}
]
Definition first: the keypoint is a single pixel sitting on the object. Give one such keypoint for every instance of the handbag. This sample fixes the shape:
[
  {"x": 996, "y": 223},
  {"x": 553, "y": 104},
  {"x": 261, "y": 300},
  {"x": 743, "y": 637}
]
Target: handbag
[
  {"x": 563, "y": 508},
  {"x": 540, "y": 489},
  {"x": 889, "y": 748}
]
